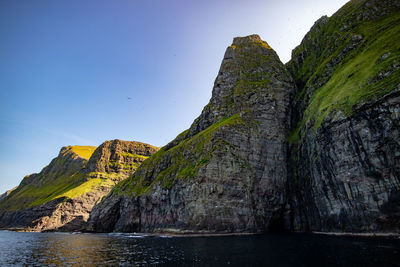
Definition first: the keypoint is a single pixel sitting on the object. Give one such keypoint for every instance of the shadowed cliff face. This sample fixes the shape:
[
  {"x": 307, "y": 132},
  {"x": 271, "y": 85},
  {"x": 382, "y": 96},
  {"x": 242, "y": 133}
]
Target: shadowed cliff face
[
  {"x": 344, "y": 166},
  {"x": 62, "y": 195},
  {"x": 347, "y": 173},
  {"x": 227, "y": 173}
]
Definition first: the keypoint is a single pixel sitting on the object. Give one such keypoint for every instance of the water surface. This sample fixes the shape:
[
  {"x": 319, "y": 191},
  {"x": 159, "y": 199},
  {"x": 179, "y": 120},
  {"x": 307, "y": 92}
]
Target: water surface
[{"x": 68, "y": 249}]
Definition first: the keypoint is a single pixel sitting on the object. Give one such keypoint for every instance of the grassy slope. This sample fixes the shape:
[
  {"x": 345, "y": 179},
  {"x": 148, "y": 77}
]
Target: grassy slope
[
  {"x": 84, "y": 183},
  {"x": 183, "y": 157},
  {"x": 84, "y": 151},
  {"x": 182, "y": 161},
  {"x": 355, "y": 79},
  {"x": 70, "y": 183},
  {"x": 30, "y": 195},
  {"x": 54, "y": 185}
]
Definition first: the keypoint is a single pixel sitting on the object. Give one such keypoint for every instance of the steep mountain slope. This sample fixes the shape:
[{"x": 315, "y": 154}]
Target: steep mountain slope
[
  {"x": 345, "y": 142},
  {"x": 62, "y": 195},
  {"x": 310, "y": 146},
  {"x": 5, "y": 194},
  {"x": 227, "y": 173},
  {"x": 56, "y": 178},
  {"x": 230, "y": 171}
]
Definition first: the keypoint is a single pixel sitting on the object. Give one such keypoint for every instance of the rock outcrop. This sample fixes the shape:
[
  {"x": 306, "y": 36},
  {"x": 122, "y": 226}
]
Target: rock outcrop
[
  {"x": 227, "y": 173},
  {"x": 63, "y": 194},
  {"x": 344, "y": 167},
  {"x": 234, "y": 171},
  {"x": 310, "y": 146}
]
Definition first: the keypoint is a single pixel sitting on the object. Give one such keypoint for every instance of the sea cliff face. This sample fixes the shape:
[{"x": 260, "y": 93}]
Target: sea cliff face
[
  {"x": 312, "y": 145},
  {"x": 344, "y": 165},
  {"x": 238, "y": 169},
  {"x": 346, "y": 175},
  {"x": 227, "y": 173},
  {"x": 62, "y": 195}
]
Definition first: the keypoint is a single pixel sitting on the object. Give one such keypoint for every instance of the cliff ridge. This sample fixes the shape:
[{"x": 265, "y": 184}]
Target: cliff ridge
[{"x": 62, "y": 195}]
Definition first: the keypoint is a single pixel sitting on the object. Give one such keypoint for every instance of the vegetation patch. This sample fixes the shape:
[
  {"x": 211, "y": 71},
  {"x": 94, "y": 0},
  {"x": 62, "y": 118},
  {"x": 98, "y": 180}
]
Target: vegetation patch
[
  {"x": 123, "y": 165},
  {"x": 87, "y": 187},
  {"x": 70, "y": 187},
  {"x": 368, "y": 72},
  {"x": 182, "y": 161},
  {"x": 30, "y": 195},
  {"x": 125, "y": 154},
  {"x": 83, "y": 151}
]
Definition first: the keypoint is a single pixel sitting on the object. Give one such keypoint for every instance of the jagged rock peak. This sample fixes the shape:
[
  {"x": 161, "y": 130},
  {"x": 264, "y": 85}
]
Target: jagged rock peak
[
  {"x": 227, "y": 173},
  {"x": 254, "y": 38},
  {"x": 250, "y": 68},
  {"x": 248, "y": 60}
]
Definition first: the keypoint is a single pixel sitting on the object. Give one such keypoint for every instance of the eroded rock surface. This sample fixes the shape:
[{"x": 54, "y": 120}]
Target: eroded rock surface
[
  {"x": 227, "y": 173},
  {"x": 230, "y": 171},
  {"x": 310, "y": 146},
  {"x": 347, "y": 173},
  {"x": 344, "y": 167}
]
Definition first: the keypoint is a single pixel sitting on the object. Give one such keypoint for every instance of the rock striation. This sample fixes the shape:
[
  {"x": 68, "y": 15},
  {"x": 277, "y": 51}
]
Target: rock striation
[
  {"x": 238, "y": 169},
  {"x": 63, "y": 194},
  {"x": 312, "y": 145},
  {"x": 227, "y": 172},
  {"x": 344, "y": 165}
]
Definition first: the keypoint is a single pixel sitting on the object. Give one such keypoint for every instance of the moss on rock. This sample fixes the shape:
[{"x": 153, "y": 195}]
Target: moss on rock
[
  {"x": 182, "y": 161},
  {"x": 344, "y": 63}
]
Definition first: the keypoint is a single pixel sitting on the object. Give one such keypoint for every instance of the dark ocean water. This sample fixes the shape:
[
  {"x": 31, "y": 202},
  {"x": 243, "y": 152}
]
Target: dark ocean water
[{"x": 66, "y": 249}]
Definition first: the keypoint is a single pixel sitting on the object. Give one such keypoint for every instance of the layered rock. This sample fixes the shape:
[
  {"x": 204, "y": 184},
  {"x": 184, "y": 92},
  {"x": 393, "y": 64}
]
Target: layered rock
[
  {"x": 316, "y": 152},
  {"x": 230, "y": 172},
  {"x": 227, "y": 173},
  {"x": 345, "y": 144},
  {"x": 63, "y": 194}
]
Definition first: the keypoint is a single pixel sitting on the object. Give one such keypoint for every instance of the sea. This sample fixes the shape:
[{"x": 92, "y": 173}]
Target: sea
[{"x": 121, "y": 249}]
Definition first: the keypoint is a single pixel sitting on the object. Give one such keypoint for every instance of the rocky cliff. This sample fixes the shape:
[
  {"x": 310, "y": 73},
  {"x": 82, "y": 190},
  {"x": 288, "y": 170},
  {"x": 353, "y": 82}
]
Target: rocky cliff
[
  {"x": 344, "y": 165},
  {"x": 312, "y": 145},
  {"x": 227, "y": 173},
  {"x": 62, "y": 195},
  {"x": 238, "y": 169}
]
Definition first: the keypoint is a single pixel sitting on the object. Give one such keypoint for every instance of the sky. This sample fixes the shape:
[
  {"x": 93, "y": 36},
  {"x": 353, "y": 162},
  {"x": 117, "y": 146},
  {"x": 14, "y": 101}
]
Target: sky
[{"x": 83, "y": 72}]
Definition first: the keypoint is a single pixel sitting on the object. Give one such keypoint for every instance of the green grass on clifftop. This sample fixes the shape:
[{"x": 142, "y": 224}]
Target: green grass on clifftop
[{"x": 366, "y": 73}]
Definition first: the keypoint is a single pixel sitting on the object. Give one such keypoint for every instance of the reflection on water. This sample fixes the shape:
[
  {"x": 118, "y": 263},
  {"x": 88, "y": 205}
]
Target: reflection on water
[
  {"x": 56, "y": 249},
  {"x": 66, "y": 249}
]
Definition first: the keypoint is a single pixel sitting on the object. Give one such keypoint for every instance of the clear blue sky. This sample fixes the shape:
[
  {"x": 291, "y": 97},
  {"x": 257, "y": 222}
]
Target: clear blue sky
[{"x": 82, "y": 72}]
